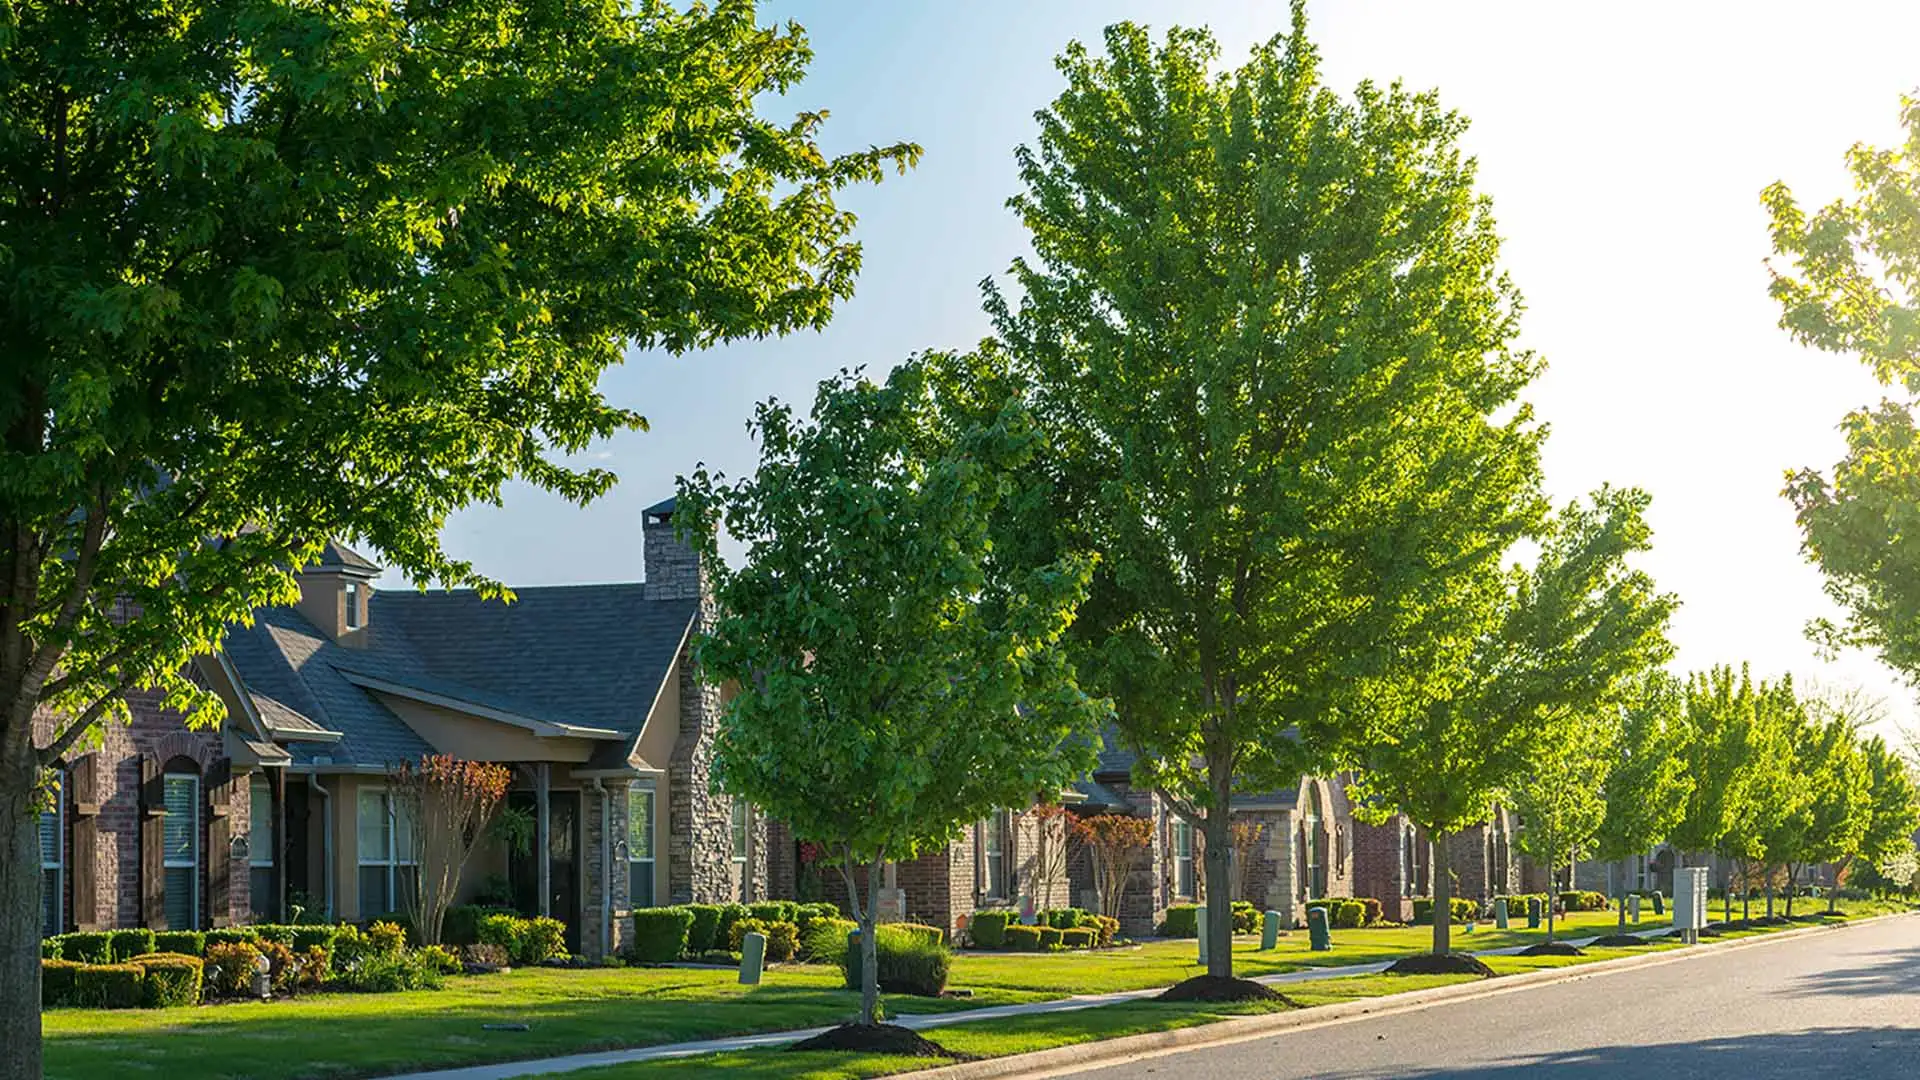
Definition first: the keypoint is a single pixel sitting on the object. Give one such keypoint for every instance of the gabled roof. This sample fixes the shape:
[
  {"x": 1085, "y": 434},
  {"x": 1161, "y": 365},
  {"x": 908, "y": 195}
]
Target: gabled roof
[
  {"x": 583, "y": 661},
  {"x": 338, "y": 556}
]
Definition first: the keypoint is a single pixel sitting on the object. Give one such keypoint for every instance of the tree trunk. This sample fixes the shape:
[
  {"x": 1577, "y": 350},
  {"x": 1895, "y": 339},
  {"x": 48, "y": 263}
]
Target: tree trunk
[
  {"x": 1442, "y": 875},
  {"x": 1219, "y": 926},
  {"x": 1619, "y": 898},
  {"x": 1551, "y": 906},
  {"x": 19, "y": 913},
  {"x": 1833, "y": 892},
  {"x": 870, "y": 946}
]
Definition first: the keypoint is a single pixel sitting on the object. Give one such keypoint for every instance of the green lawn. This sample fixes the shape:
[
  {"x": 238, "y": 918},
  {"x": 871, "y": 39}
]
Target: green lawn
[{"x": 342, "y": 1036}]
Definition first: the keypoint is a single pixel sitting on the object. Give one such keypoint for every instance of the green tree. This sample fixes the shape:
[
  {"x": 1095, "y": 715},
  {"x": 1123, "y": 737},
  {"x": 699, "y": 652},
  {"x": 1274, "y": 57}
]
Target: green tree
[
  {"x": 1847, "y": 279},
  {"x": 1647, "y": 785},
  {"x": 1738, "y": 752},
  {"x": 1561, "y": 792},
  {"x": 895, "y": 685},
  {"x": 289, "y": 271},
  {"x": 1893, "y": 810},
  {"x": 1266, "y": 333},
  {"x": 1516, "y": 657},
  {"x": 1831, "y": 808}
]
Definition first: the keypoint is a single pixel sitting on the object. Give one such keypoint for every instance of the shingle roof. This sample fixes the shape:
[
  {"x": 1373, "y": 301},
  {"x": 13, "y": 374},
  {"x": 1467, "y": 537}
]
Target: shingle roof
[
  {"x": 582, "y": 655},
  {"x": 337, "y": 554}
]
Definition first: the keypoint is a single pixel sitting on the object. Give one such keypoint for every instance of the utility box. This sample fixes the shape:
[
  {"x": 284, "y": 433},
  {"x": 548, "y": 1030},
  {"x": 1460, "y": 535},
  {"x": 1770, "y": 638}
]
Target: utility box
[{"x": 1690, "y": 901}]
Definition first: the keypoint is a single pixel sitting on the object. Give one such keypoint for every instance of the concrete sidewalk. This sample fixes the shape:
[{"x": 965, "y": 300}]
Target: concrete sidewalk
[{"x": 510, "y": 1070}]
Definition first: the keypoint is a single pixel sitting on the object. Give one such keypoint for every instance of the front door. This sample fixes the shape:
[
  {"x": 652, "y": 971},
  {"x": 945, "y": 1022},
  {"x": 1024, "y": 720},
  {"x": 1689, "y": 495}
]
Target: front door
[{"x": 563, "y": 862}]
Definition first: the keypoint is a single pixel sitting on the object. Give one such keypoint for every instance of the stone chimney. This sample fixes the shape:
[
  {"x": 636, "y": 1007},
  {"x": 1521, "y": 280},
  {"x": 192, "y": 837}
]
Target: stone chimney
[
  {"x": 335, "y": 590},
  {"x": 672, "y": 567}
]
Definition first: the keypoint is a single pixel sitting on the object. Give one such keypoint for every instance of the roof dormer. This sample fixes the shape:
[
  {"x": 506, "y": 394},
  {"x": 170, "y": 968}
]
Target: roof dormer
[{"x": 334, "y": 591}]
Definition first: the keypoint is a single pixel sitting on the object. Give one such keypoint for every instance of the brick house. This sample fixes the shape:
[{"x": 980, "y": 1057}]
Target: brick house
[
  {"x": 1393, "y": 862},
  {"x": 588, "y": 692}
]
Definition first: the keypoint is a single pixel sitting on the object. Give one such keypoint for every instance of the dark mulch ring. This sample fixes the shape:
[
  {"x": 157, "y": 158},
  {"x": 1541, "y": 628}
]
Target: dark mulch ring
[
  {"x": 878, "y": 1039},
  {"x": 1817, "y": 916},
  {"x": 1429, "y": 964},
  {"x": 1221, "y": 988},
  {"x": 1618, "y": 941},
  {"x": 1553, "y": 948}
]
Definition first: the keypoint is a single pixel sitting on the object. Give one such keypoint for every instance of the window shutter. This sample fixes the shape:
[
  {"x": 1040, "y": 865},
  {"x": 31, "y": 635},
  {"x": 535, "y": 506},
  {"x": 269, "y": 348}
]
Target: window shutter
[
  {"x": 153, "y": 821},
  {"x": 218, "y": 786},
  {"x": 979, "y": 863},
  {"x": 83, "y": 809}
]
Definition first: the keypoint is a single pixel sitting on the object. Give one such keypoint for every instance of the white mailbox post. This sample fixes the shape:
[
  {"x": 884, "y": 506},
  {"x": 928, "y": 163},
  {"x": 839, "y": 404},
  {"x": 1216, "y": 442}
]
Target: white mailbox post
[{"x": 1690, "y": 901}]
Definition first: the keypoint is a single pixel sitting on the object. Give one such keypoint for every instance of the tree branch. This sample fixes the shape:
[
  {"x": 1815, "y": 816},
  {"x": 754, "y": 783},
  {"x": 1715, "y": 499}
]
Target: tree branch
[{"x": 63, "y": 742}]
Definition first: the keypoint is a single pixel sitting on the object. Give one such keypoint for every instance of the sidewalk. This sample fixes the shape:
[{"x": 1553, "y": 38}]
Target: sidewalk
[{"x": 511, "y": 1070}]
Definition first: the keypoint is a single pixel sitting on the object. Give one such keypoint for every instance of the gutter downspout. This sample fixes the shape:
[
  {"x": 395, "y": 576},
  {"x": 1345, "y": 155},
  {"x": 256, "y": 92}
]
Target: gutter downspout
[{"x": 606, "y": 866}]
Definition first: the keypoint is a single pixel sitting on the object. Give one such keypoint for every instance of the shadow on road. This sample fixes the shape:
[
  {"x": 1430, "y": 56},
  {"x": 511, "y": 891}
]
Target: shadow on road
[
  {"x": 1854, "y": 1053},
  {"x": 1896, "y": 972}
]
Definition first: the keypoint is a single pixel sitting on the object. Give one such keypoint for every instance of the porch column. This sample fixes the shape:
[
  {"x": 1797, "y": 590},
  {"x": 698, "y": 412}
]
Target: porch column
[
  {"x": 278, "y": 779},
  {"x": 542, "y": 838}
]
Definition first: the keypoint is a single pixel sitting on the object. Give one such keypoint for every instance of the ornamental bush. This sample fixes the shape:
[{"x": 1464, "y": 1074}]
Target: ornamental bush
[
  {"x": 171, "y": 980},
  {"x": 908, "y": 963},
  {"x": 741, "y": 928},
  {"x": 184, "y": 942},
  {"x": 1183, "y": 920},
  {"x": 807, "y": 913},
  {"x": 383, "y": 937},
  {"x": 279, "y": 932},
  {"x": 659, "y": 934},
  {"x": 542, "y": 938},
  {"x": 1348, "y": 914},
  {"x": 87, "y": 947},
  {"x": 1079, "y": 937},
  {"x": 127, "y": 944},
  {"x": 232, "y": 935},
  {"x": 783, "y": 938},
  {"x": 505, "y": 932},
  {"x": 1105, "y": 929},
  {"x": 1372, "y": 911},
  {"x": 932, "y": 935},
  {"x": 988, "y": 929},
  {"x": 1246, "y": 920},
  {"x": 1023, "y": 938},
  {"x": 1063, "y": 918},
  {"x": 50, "y": 947},
  {"x": 1460, "y": 909},
  {"x": 824, "y": 941},
  {"x": 773, "y": 911},
  {"x": 706, "y": 919},
  {"x": 723, "y": 929},
  {"x": 1583, "y": 900},
  {"x": 390, "y": 972},
  {"x": 56, "y": 982},
  {"x": 462, "y": 923},
  {"x": 108, "y": 986},
  {"x": 229, "y": 967},
  {"x": 1049, "y": 937}
]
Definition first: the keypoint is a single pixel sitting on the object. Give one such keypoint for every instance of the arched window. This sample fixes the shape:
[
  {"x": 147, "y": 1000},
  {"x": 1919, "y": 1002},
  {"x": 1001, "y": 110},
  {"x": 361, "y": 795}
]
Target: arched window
[{"x": 181, "y": 840}]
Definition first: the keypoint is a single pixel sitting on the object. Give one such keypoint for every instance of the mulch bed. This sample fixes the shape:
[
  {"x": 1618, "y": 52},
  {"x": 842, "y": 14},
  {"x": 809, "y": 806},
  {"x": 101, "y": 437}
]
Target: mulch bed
[
  {"x": 1554, "y": 948},
  {"x": 1220, "y": 988},
  {"x": 1429, "y": 964},
  {"x": 1618, "y": 941},
  {"x": 877, "y": 1039}
]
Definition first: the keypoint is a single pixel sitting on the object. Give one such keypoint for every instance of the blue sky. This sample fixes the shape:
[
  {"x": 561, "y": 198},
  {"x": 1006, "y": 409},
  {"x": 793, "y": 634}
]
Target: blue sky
[{"x": 1624, "y": 146}]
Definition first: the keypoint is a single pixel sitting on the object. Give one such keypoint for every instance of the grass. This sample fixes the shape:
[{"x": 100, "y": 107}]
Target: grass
[{"x": 342, "y": 1036}]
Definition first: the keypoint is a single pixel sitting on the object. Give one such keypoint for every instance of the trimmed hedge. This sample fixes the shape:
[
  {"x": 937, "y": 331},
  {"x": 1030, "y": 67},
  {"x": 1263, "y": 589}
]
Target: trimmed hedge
[
  {"x": 1246, "y": 920},
  {"x": 1183, "y": 920},
  {"x": 1460, "y": 910},
  {"x": 1372, "y": 910},
  {"x": 109, "y": 986},
  {"x": 184, "y": 942},
  {"x": 56, "y": 981},
  {"x": 1062, "y": 918},
  {"x": 1023, "y": 938},
  {"x": 773, "y": 911},
  {"x": 1583, "y": 900},
  {"x": 232, "y": 935},
  {"x": 932, "y": 935},
  {"x": 805, "y": 914},
  {"x": 660, "y": 934},
  {"x": 989, "y": 928},
  {"x": 526, "y": 941},
  {"x": 87, "y": 947},
  {"x": 723, "y": 929},
  {"x": 1077, "y": 938},
  {"x": 1049, "y": 937},
  {"x": 908, "y": 963},
  {"x": 461, "y": 926},
  {"x": 127, "y": 944},
  {"x": 706, "y": 919},
  {"x": 170, "y": 980}
]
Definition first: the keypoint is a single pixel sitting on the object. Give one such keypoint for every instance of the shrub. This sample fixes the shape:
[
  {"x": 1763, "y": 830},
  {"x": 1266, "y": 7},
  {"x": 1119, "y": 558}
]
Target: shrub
[
  {"x": 1372, "y": 912},
  {"x": 1064, "y": 918},
  {"x": 87, "y": 947},
  {"x": 782, "y": 939},
  {"x": 1105, "y": 929},
  {"x": 773, "y": 911},
  {"x": 50, "y": 947},
  {"x": 387, "y": 972},
  {"x": 824, "y": 941},
  {"x": 1049, "y": 937},
  {"x": 108, "y": 986},
  {"x": 505, "y": 931},
  {"x": 440, "y": 958},
  {"x": 316, "y": 967},
  {"x": 659, "y": 934},
  {"x": 306, "y": 938},
  {"x": 1079, "y": 937},
  {"x": 1246, "y": 920},
  {"x": 808, "y": 913},
  {"x": 462, "y": 923},
  {"x": 232, "y": 935},
  {"x": 706, "y": 919},
  {"x": 989, "y": 928},
  {"x": 1023, "y": 938},
  {"x": 908, "y": 963},
  {"x": 127, "y": 944},
  {"x": 56, "y": 982},
  {"x": 1583, "y": 900},
  {"x": 741, "y": 928},
  {"x": 932, "y": 935},
  {"x": 275, "y": 932},
  {"x": 171, "y": 980},
  {"x": 284, "y": 972},
  {"x": 492, "y": 956},
  {"x": 1183, "y": 920},
  {"x": 383, "y": 937},
  {"x": 723, "y": 929},
  {"x": 542, "y": 938},
  {"x": 1460, "y": 910},
  {"x": 185, "y": 942},
  {"x": 229, "y": 969}
]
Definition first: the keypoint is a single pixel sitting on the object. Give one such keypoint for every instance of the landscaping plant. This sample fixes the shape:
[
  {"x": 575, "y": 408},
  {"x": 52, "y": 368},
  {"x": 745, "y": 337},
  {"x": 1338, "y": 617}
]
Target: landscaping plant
[
  {"x": 444, "y": 804},
  {"x": 1115, "y": 843}
]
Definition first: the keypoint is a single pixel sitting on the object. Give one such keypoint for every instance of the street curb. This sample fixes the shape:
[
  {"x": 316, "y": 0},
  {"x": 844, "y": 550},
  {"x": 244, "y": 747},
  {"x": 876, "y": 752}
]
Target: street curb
[{"x": 1080, "y": 1056}]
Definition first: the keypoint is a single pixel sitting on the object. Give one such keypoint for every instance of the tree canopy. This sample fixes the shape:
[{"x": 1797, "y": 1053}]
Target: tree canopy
[
  {"x": 284, "y": 272},
  {"x": 894, "y": 684},
  {"x": 1265, "y": 331}
]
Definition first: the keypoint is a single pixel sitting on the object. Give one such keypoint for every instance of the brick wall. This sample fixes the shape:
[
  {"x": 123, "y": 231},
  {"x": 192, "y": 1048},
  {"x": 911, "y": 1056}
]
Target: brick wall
[{"x": 1378, "y": 866}]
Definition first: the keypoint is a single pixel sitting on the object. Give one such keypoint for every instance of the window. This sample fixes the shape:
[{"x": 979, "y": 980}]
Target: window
[
  {"x": 389, "y": 868},
  {"x": 640, "y": 845},
  {"x": 1183, "y": 884},
  {"x": 353, "y": 605},
  {"x": 53, "y": 860},
  {"x": 260, "y": 849},
  {"x": 180, "y": 850},
  {"x": 993, "y": 858},
  {"x": 1639, "y": 873},
  {"x": 739, "y": 841}
]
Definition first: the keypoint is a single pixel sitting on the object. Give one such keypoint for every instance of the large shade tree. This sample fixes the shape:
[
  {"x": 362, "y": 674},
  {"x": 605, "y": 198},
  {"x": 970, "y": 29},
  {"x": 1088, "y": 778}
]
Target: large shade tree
[
  {"x": 1265, "y": 330},
  {"x": 284, "y": 271},
  {"x": 1515, "y": 655},
  {"x": 896, "y": 681},
  {"x": 1847, "y": 279}
]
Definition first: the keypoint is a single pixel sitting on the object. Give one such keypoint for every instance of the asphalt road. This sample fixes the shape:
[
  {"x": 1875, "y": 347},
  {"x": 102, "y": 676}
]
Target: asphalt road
[{"x": 1839, "y": 1004}]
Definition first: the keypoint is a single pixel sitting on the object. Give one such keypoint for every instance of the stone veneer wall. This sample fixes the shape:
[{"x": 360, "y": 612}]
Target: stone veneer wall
[{"x": 597, "y": 875}]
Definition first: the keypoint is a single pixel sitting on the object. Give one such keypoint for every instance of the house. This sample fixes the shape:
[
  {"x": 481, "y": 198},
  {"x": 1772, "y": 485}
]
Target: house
[
  {"x": 1394, "y": 862},
  {"x": 587, "y": 692}
]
